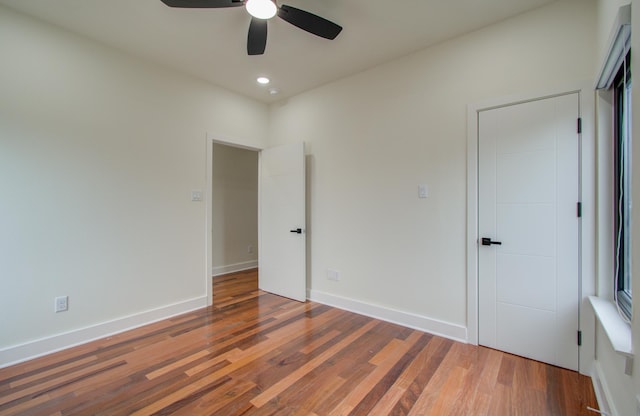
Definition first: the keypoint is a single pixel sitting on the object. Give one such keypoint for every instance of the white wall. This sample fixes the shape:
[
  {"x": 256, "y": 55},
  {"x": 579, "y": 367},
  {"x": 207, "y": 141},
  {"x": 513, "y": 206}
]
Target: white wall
[
  {"x": 99, "y": 153},
  {"x": 235, "y": 208},
  {"x": 620, "y": 388},
  {"x": 373, "y": 137}
]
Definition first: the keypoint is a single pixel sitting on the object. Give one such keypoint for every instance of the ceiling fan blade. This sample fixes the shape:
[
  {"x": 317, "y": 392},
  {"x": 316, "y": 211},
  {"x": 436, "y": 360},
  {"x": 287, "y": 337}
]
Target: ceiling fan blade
[
  {"x": 257, "y": 37},
  {"x": 203, "y": 4},
  {"x": 309, "y": 22}
]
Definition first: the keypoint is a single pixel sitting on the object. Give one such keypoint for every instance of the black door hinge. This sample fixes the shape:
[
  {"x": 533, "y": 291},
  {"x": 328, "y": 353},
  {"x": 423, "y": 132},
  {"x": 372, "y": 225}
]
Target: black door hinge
[
  {"x": 579, "y": 209},
  {"x": 579, "y": 338},
  {"x": 579, "y": 125}
]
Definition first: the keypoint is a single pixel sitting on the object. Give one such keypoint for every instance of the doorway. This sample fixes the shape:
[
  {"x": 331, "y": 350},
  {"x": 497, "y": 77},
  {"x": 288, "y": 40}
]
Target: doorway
[
  {"x": 528, "y": 229},
  {"x": 234, "y": 209},
  {"x": 280, "y": 219}
]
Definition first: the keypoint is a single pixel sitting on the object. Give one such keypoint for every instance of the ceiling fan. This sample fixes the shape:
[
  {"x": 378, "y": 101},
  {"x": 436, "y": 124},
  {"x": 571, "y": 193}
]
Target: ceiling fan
[{"x": 261, "y": 11}]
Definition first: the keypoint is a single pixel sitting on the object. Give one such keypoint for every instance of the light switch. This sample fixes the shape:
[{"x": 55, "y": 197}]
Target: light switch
[
  {"x": 423, "y": 191},
  {"x": 196, "y": 195}
]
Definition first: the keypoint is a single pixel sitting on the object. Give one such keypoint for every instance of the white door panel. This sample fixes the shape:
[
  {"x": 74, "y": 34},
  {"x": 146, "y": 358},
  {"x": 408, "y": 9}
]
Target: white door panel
[
  {"x": 527, "y": 229},
  {"x": 282, "y": 262},
  {"x": 523, "y": 132},
  {"x": 514, "y": 171},
  {"x": 527, "y": 195},
  {"x": 527, "y": 332},
  {"x": 526, "y": 280}
]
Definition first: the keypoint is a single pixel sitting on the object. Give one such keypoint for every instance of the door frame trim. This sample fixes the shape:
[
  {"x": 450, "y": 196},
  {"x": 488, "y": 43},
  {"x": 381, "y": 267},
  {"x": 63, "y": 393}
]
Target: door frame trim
[{"x": 586, "y": 268}]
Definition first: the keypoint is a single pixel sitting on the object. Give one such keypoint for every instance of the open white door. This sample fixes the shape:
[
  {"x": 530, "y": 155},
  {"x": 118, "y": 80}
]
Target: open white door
[{"x": 282, "y": 261}]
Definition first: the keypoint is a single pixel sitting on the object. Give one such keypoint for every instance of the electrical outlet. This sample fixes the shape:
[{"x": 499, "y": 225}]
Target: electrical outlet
[
  {"x": 333, "y": 275},
  {"x": 249, "y": 249},
  {"x": 62, "y": 303}
]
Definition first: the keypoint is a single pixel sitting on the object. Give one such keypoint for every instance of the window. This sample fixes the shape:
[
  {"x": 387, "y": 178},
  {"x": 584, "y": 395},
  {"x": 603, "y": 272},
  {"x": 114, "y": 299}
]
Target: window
[{"x": 622, "y": 185}]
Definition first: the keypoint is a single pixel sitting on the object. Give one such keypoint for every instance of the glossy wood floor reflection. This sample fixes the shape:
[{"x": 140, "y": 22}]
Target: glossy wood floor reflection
[{"x": 254, "y": 353}]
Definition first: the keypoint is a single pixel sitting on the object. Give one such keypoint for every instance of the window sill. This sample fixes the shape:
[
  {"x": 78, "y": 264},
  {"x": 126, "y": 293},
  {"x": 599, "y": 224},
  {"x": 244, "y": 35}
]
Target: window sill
[{"x": 617, "y": 330}]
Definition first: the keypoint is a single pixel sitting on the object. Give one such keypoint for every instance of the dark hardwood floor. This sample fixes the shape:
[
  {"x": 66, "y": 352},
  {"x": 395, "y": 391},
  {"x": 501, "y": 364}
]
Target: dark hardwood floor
[{"x": 254, "y": 353}]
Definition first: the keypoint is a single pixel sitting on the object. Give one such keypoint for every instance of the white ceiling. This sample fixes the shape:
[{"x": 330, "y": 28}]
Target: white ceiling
[{"x": 211, "y": 43}]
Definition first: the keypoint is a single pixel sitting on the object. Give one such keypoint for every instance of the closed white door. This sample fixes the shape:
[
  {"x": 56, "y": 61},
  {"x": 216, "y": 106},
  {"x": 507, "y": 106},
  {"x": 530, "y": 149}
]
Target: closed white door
[
  {"x": 528, "y": 181},
  {"x": 282, "y": 261}
]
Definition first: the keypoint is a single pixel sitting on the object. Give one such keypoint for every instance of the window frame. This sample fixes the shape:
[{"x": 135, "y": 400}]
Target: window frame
[{"x": 622, "y": 142}]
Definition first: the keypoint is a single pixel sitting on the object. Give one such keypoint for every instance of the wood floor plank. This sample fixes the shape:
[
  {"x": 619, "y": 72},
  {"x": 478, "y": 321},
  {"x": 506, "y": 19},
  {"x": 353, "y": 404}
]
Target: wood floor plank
[
  {"x": 391, "y": 370},
  {"x": 384, "y": 361},
  {"x": 310, "y": 397},
  {"x": 255, "y": 354},
  {"x": 239, "y": 361},
  {"x": 56, "y": 371},
  {"x": 317, "y": 390},
  {"x": 215, "y": 400},
  {"x": 447, "y": 400},
  {"x": 309, "y": 347},
  {"x": 471, "y": 399},
  {"x": 501, "y": 402},
  {"x": 300, "y": 372},
  {"x": 383, "y": 397},
  {"x": 436, "y": 351},
  {"x": 505, "y": 376},
  {"x": 491, "y": 360},
  {"x": 524, "y": 387},
  {"x": 177, "y": 364},
  {"x": 21, "y": 408},
  {"x": 75, "y": 377}
]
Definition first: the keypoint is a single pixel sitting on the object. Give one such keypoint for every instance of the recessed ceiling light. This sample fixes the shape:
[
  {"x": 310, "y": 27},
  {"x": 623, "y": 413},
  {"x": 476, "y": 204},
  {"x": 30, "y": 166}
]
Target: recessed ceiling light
[{"x": 263, "y": 80}]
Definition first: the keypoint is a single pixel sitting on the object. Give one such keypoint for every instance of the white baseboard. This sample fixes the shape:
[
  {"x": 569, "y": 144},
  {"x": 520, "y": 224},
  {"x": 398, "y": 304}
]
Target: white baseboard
[
  {"x": 37, "y": 348},
  {"x": 232, "y": 268},
  {"x": 603, "y": 395},
  {"x": 410, "y": 320}
]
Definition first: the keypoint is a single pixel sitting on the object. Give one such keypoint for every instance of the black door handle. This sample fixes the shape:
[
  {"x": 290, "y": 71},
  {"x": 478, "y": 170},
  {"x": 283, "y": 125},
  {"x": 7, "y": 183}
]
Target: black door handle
[
  {"x": 487, "y": 242},
  {"x": 297, "y": 231}
]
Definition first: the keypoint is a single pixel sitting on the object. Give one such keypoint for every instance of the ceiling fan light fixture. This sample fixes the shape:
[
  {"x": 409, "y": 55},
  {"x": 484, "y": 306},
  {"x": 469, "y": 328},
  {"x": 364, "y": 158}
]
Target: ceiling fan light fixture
[{"x": 261, "y": 9}]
